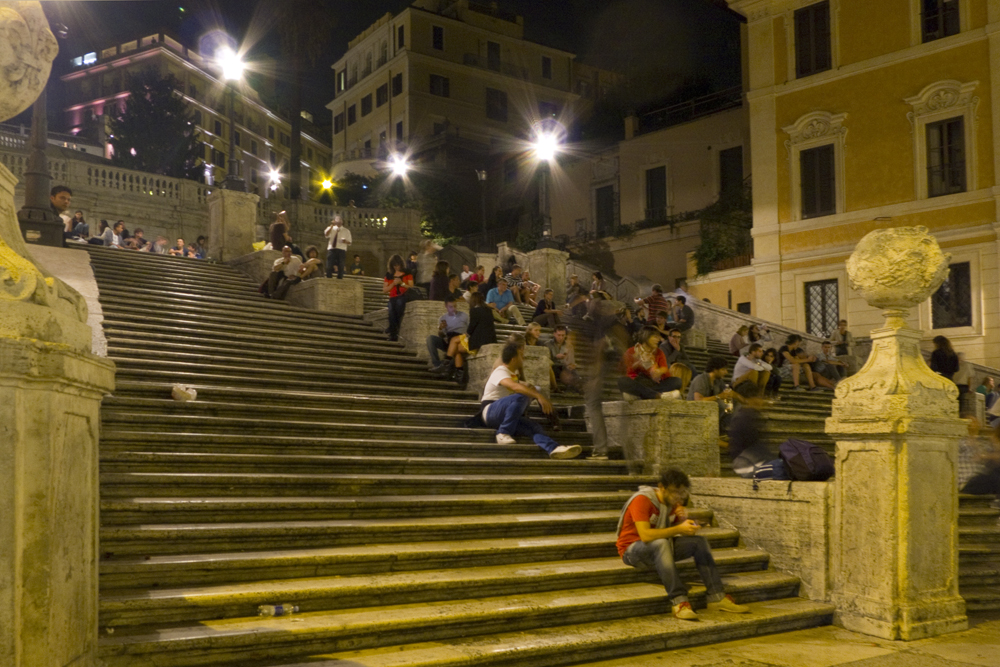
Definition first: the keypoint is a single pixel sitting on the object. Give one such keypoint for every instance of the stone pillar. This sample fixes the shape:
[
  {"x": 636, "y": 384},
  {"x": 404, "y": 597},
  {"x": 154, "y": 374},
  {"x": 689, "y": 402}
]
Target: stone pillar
[
  {"x": 330, "y": 295},
  {"x": 537, "y": 365},
  {"x": 232, "y": 221},
  {"x": 420, "y": 321},
  {"x": 895, "y": 560},
  {"x": 50, "y": 395},
  {"x": 659, "y": 434},
  {"x": 257, "y": 265},
  {"x": 548, "y": 269}
]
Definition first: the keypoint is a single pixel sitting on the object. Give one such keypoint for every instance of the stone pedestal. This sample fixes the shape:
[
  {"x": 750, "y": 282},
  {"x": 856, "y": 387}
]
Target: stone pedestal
[
  {"x": 548, "y": 269},
  {"x": 232, "y": 222},
  {"x": 895, "y": 560},
  {"x": 974, "y": 403},
  {"x": 660, "y": 434},
  {"x": 695, "y": 339},
  {"x": 537, "y": 365},
  {"x": 255, "y": 265},
  {"x": 420, "y": 321},
  {"x": 50, "y": 392},
  {"x": 343, "y": 297}
]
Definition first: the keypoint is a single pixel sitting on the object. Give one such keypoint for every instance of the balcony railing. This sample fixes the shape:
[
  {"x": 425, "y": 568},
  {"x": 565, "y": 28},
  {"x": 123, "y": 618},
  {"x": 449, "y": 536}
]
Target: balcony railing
[
  {"x": 691, "y": 109},
  {"x": 508, "y": 69}
]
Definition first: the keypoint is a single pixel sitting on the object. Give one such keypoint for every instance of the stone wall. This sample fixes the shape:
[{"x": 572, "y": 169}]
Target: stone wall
[
  {"x": 420, "y": 321},
  {"x": 789, "y": 520},
  {"x": 536, "y": 367},
  {"x": 660, "y": 434},
  {"x": 330, "y": 295}
]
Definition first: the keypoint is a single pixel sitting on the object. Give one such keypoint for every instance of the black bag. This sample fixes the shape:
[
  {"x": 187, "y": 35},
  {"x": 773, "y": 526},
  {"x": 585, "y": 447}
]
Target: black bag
[
  {"x": 413, "y": 294},
  {"x": 770, "y": 470},
  {"x": 805, "y": 461}
]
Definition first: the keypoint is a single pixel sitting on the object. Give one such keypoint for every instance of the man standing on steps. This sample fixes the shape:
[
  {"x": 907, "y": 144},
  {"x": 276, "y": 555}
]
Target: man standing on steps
[
  {"x": 505, "y": 400},
  {"x": 654, "y": 532},
  {"x": 336, "y": 249}
]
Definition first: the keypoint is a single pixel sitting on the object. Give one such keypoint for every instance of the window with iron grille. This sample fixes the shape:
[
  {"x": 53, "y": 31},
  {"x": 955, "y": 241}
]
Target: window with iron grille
[
  {"x": 656, "y": 193},
  {"x": 496, "y": 105},
  {"x": 382, "y": 94},
  {"x": 437, "y": 37},
  {"x": 812, "y": 39},
  {"x": 951, "y": 305},
  {"x": 366, "y": 105},
  {"x": 946, "y": 157},
  {"x": 822, "y": 307},
  {"x": 939, "y": 18},
  {"x": 818, "y": 182},
  {"x": 397, "y": 84},
  {"x": 440, "y": 86}
]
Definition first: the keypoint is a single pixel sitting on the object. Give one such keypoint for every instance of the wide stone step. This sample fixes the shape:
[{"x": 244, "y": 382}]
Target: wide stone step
[
  {"x": 138, "y": 461},
  {"x": 989, "y": 534},
  {"x": 190, "y": 485},
  {"x": 243, "y": 640},
  {"x": 184, "y": 605},
  {"x": 163, "y": 264},
  {"x": 982, "y": 599},
  {"x": 227, "y": 510},
  {"x": 211, "y": 537},
  {"x": 975, "y": 577},
  {"x": 111, "y": 275},
  {"x": 978, "y": 516}
]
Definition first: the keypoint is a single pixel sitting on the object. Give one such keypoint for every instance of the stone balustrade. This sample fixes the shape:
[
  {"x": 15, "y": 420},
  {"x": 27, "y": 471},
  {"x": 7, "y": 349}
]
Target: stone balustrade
[
  {"x": 537, "y": 367},
  {"x": 329, "y": 295},
  {"x": 421, "y": 320},
  {"x": 660, "y": 434}
]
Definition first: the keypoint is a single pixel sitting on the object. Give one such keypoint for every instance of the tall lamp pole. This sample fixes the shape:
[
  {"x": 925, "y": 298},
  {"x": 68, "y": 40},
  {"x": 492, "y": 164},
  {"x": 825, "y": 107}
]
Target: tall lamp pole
[
  {"x": 481, "y": 175},
  {"x": 232, "y": 72},
  {"x": 39, "y": 223},
  {"x": 546, "y": 146}
]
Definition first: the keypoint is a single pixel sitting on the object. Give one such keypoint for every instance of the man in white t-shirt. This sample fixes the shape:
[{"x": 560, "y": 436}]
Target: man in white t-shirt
[
  {"x": 336, "y": 249},
  {"x": 505, "y": 400},
  {"x": 284, "y": 274}
]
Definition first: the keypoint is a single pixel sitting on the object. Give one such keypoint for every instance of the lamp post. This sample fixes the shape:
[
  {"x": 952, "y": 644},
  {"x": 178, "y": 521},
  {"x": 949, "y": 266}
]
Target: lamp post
[
  {"x": 232, "y": 72},
  {"x": 481, "y": 175},
  {"x": 546, "y": 145}
]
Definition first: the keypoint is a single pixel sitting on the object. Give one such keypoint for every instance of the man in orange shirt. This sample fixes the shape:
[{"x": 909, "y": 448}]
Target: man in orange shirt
[{"x": 654, "y": 532}]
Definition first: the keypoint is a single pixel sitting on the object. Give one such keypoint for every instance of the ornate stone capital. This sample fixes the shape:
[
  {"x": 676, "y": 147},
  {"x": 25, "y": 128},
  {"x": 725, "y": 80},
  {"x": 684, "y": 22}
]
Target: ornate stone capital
[{"x": 942, "y": 95}]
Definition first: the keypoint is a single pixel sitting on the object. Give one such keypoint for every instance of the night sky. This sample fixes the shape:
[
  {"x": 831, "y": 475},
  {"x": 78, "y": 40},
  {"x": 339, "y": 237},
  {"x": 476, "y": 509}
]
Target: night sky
[{"x": 664, "y": 41}]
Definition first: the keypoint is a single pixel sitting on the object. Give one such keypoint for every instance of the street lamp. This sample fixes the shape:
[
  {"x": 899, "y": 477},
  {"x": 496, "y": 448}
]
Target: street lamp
[
  {"x": 275, "y": 179},
  {"x": 481, "y": 175},
  {"x": 399, "y": 166},
  {"x": 327, "y": 184},
  {"x": 546, "y": 145},
  {"x": 232, "y": 71}
]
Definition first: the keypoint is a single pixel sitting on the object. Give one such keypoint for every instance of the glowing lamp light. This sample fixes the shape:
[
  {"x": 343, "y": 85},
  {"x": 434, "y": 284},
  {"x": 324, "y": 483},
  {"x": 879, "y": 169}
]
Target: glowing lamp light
[
  {"x": 327, "y": 184},
  {"x": 275, "y": 176},
  {"x": 545, "y": 146},
  {"x": 232, "y": 66},
  {"x": 399, "y": 166}
]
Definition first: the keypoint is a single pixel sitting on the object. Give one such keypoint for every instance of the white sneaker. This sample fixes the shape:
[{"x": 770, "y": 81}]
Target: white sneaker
[
  {"x": 565, "y": 452},
  {"x": 504, "y": 439},
  {"x": 671, "y": 395}
]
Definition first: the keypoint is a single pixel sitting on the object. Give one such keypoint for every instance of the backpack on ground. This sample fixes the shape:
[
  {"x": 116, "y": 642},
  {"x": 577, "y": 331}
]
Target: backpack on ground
[
  {"x": 774, "y": 469},
  {"x": 805, "y": 461}
]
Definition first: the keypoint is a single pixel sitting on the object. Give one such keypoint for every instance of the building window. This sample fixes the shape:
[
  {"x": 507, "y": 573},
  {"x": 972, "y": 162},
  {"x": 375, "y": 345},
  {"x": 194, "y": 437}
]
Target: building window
[
  {"x": 383, "y": 54},
  {"x": 439, "y": 86},
  {"x": 253, "y": 175},
  {"x": 218, "y": 128},
  {"x": 437, "y": 37},
  {"x": 236, "y": 138},
  {"x": 397, "y": 84},
  {"x": 496, "y": 105},
  {"x": 341, "y": 80},
  {"x": 382, "y": 95},
  {"x": 209, "y": 152},
  {"x": 220, "y": 159},
  {"x": 812, "y": 39},
  {"x": 818, "y": 182},
  {"x": 510, "y": 170},
  {"x": 338, "y": 123},
  {"x": 284, "y": 139},
  {"x": 400, "y": 37},
  {"x": 604, "y": 209},
  {"x": 951, "y": 305},
  {"x": 548, "y": 110},
  {"x": 196, "y": 118},
  {"x": 493, "y": 56},
  {"x": 352, "y": 114},
  {"x": 366, "y": 105},
  {"x": 546, "y": 67},
  {"x": 822, "y": 307},
  {"x": 656, "y": 193},
  {"x": 731, "y": 173},
  {"x": 946, "y": 157},
  {"x": 368, "y": 64},
  {"x": 939, "y": 18},
  {"x": 253, "y": 147},
  {"x": 272, "y": 158},
  {"x": 309, "y": 153},
  {"x": 270, "y": 132},
  {"x": 399, "y": 131}
]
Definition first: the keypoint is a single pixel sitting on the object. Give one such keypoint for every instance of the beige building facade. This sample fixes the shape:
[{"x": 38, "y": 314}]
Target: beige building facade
[{"x": 98, "y": 84}]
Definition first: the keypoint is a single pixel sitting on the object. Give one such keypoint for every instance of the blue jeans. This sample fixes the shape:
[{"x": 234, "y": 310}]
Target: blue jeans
[
  {"x": 507, "y": 417},
  {"x": 336, "y": 258},
  {"x": 435, "y": 343},
  {"x": 658, "y": 555}
]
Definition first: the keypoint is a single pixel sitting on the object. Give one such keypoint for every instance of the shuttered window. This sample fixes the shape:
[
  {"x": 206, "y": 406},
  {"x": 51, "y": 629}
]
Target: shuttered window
[
  {"x": 819, "y": 187},
  {"x": 812, "y": 39}
]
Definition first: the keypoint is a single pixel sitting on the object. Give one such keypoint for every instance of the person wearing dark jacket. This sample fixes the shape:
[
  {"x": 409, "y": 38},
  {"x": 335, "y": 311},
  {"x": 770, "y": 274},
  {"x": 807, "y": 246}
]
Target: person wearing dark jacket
[
  {"x": 745, "y": 447},
  {"x": 678, "y": 361},
  {"x": 944, "y": 361},
  {"x": 439, "y": 281},
  {"x": 481, "y": 328}
]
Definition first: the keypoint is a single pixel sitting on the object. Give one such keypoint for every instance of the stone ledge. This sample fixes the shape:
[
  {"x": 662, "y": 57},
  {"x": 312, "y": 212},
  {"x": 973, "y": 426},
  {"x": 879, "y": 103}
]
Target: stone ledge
[
  {"x": 330, "y": 295},
  {"x": 537, "y": 364},
  {"x": 789, "y": 520},
  {"x": 257, "y": 265},
  {"x": 420, "y": 321},
  {"x": 660, "y": 434}
]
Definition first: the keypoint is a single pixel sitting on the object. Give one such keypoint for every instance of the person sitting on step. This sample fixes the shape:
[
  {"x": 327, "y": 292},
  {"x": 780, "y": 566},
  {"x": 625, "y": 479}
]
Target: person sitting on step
[
  {"x": 515, "y": 283},
  {"x": 505, "y": 401},
  {"x": 790, "y": 364},
  {"x": 533, "y": 334},
  {"x": 828, "y": 364},
  {"x": 355, "y": 268},
  {"x": 313, "y": 266},
  {"x": 752, "y": 373},
  {"x": 439, "y": 281},
  {"x": 745, "y": 447},
  {"x": 683, "y": 314},
  {"x": 678, "y": 361},
  {"x": 711, "y": 386},
  {"x": 502, "y": 302},
  {"x": 739, "y": 340},
  {"x": 646, "y": 373},
  {"x": 655, "y": 531},
  {"x": 455, "y": 287},
  {"x": 563, "y": 369},
  {"x": 284, "y": 274},
  {"x": 453, "y": 323},
  {"x": 546, "y": 312},
  {"x": 482, "y": 330},
  {"x": 529, "y": 289}
]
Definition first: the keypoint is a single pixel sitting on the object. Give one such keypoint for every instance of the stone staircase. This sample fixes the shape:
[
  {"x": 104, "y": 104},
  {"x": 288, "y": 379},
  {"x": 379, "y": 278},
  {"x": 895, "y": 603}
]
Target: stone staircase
[{"x": 322, "y": 466}]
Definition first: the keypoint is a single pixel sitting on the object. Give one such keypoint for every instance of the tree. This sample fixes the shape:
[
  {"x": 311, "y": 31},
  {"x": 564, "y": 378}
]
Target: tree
[
  {"x": 156, "y": 132},
  {"x": 726, "y": 228},
  {"x": 304, "y": 27}
]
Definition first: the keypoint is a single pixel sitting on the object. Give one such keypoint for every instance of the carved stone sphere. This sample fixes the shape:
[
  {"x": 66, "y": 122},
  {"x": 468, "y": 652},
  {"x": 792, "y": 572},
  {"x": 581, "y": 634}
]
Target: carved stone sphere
[
  {"x": 27, "y": 49},
  {"x": 897, "y": 268}
]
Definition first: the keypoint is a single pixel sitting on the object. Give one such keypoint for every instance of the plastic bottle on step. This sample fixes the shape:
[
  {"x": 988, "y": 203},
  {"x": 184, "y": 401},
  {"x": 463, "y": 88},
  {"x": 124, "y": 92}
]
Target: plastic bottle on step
[{"x": 277, "y": 610}]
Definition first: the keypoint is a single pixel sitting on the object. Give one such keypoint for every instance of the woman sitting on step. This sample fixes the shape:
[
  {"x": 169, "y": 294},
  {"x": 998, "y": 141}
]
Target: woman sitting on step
[{"x": 647, "y": 375}]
